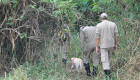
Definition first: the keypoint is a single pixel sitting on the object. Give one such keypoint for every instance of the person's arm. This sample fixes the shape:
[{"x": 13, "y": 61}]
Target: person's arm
[
  {"x": 82, "y": 42},
  {"x": 116, "y": 40},
  {"x": 116, "y": 37},
  {"x": 97, "y": 44}
]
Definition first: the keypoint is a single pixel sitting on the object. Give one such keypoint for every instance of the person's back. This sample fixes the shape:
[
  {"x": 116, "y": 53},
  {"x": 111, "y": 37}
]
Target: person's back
[
  {"x": 107, "y": 31},
  {"x": 88, "y": 36}
]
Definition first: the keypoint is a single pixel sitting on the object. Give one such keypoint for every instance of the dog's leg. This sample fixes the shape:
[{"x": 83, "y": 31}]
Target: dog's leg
[
  {"x": 78, "y": 67},
  {"x": 81, "y": 71},
  {"x": 78, "y": 71},
  {"x": 72, "y": 67},
  {"x": 81, "y": 67}
]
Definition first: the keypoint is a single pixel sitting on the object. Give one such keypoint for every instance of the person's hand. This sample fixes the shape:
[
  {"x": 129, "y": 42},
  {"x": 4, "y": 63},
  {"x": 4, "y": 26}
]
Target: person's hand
[
  {"x": 97, "y": 50},
  {"x": 82, "y": 54},
  {"x": 115, "y": 47}
]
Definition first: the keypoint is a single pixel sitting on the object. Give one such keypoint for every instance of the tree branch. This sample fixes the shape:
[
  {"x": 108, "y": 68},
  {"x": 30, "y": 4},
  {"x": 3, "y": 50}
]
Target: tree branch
[{"x": 3, "y": 21}]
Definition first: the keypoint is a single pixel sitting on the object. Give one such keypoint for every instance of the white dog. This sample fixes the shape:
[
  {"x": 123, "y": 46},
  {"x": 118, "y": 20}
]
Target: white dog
[{"x": 77, "y": 63}]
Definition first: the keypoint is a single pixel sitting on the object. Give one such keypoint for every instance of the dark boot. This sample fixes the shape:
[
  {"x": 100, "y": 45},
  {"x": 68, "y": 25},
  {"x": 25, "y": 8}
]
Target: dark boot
[
  {"x": 55, "y": 58},
  {"x": 87, "y": 67},
  {"x": 107, "y": 73},
  {"x": 94, "y": 71},
  {"x": 64, "y": 61}
]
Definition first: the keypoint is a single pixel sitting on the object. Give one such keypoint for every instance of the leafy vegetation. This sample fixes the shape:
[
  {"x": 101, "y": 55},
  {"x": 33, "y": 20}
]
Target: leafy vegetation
[{"x": 33, "y": 60}]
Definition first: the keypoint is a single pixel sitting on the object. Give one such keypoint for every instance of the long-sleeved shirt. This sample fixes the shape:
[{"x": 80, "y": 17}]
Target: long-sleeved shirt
[
  {"x": 55, "y": 40},
  {"x": 87, "y": 34},
  {"x": 106, "y": 31}
]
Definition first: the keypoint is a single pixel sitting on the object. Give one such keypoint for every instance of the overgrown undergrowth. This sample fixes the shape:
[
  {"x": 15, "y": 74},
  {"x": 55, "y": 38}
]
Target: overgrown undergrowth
[
  {"x": 123, "y": 66},
  {"x": 39, "y": 63}
]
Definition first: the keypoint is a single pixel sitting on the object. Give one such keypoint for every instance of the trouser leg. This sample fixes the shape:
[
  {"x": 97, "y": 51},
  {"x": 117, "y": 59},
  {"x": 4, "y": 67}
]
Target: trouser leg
[
  {"x": 87, "y": 53},
  {"x": 94, "y": 71},
  {"x": 95, "y": 58},
  {"x": 105, "y": 58},
  {"x": 55, "y": 53},
  {"x": 63, "y": 52},
  {"x": 86, "y": 59}
]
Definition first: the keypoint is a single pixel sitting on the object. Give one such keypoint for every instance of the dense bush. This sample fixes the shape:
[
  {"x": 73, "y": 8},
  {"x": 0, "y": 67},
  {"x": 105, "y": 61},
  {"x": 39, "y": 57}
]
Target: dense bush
[{"x": 19, "y": 42}]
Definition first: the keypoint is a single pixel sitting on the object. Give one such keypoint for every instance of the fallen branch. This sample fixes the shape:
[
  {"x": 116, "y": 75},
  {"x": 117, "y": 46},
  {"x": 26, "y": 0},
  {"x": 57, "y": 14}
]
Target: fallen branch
[{"x": 12, "y": 30}]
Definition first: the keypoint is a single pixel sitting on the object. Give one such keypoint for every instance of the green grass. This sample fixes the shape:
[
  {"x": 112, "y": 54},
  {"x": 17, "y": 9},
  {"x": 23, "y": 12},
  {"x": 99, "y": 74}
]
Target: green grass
[{"x": 46, "y": 69}]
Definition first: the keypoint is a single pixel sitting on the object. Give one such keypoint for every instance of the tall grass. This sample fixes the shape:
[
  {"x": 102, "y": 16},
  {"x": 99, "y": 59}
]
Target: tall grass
[{"x": 46, "y": 69}]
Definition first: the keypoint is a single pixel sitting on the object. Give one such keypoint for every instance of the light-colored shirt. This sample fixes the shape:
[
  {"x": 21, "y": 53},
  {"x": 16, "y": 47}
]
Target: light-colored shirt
[
  {"x": 87, "y": 34},
  {"x": 106, "y": 31}
]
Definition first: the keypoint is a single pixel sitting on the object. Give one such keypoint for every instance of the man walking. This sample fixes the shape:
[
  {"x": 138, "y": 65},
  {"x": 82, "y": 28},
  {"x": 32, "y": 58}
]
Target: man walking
[
  {"x": 59, "y": 42},
  {"x": 107, "y": 38},
  {"x": 64, "y": 42},
  {"x": 87, "y": 34}
]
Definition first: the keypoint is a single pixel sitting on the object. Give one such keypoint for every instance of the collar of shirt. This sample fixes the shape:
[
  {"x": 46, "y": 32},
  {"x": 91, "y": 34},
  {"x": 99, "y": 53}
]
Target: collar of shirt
[{"x": 104, "y": 20}]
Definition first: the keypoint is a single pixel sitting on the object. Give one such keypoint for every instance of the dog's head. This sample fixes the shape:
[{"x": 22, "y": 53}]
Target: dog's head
[{"x": 72, "y": 59}]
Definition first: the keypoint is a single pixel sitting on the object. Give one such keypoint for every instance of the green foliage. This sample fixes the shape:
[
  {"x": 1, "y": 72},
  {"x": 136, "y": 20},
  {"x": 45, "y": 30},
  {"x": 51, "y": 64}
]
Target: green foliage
[
  {"x": 18, "y": 74},
  {"x": 15, "y": 4},
  {"x": 75, "y": 45},
  {"x": 83, "y": 4},
  {"x": 33, "y": 6},
  {"x": 41, "y": 8},
  {"x": 23, "y": 35},
  {"x": 66, "y": 9},
  {"x": 57, "y": 23},
  {"x": 56, "y": 13},
  {"x": 9, "y": 23},
  {"x": 45, "y": 26},
  {"x": 126, "y": 18}
]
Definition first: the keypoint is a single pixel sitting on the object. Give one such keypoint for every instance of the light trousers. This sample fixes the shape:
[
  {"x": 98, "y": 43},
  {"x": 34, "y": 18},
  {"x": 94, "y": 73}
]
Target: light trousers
[
  {"x": 106, "y": 57},
  {"x": 95, "y": 56}
]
